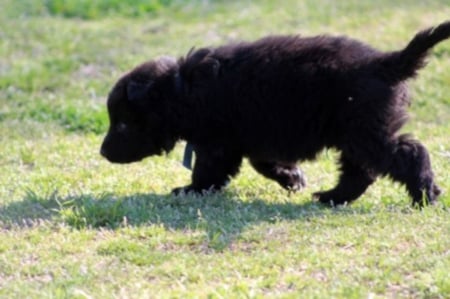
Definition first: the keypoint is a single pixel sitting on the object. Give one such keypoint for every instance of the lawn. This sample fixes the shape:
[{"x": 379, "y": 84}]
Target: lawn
[{"x": 74, "y": 226}]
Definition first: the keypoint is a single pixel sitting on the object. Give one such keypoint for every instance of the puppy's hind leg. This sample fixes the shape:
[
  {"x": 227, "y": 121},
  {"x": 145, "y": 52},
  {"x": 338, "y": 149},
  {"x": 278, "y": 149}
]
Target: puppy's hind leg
[
  {"x": 288, "y": 175},
  {"x": 353, "y": 181},
  {"x": 213, "y": 169},
  {"x": 411, "y": 166}
]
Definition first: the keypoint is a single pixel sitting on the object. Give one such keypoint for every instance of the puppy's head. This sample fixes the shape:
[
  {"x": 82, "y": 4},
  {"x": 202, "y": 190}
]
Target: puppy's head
[{"x": 138, "y": 113}]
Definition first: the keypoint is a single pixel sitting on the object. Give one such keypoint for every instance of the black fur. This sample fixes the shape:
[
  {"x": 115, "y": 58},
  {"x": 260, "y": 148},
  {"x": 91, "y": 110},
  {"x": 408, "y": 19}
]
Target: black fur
[{"x": 278, "y": 101}]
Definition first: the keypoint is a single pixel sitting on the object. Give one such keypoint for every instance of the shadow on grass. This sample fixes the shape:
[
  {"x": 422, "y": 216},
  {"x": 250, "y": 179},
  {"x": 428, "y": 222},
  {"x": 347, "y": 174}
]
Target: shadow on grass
[{"x": 222, "y": 216}]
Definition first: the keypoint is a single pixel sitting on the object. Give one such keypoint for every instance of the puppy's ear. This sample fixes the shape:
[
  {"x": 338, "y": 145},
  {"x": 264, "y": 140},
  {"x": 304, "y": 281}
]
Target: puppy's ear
[
  {"x": 200, "y": 65},
  {"x": 208, "y": 68},
  {"x": 138, "y": 92}
]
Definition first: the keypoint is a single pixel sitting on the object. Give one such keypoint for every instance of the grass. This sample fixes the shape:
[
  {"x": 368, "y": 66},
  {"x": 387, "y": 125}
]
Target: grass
[{"x": 74, "y": 226}]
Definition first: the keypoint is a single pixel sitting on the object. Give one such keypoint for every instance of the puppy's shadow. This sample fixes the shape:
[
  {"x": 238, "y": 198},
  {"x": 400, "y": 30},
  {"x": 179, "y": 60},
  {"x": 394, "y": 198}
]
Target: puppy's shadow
[{"x": 223, "y": 214}]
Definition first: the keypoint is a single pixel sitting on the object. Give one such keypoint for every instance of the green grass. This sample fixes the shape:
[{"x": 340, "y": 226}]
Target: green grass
[{"x": 74, "y": 226}]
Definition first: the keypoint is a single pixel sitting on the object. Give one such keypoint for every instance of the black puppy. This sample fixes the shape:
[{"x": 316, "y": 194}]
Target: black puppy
[{"x": 277, "y": 101}]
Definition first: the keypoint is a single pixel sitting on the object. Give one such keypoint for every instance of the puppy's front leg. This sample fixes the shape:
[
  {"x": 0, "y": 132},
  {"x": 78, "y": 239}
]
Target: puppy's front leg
[
  {"x": 288, "y": 175},
  {"x": 214, "y": 166}
]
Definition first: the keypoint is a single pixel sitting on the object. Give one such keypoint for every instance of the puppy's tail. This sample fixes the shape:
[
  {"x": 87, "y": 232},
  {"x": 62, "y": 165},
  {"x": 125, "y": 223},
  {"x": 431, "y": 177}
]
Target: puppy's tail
[{"x": 404, "y": 64}]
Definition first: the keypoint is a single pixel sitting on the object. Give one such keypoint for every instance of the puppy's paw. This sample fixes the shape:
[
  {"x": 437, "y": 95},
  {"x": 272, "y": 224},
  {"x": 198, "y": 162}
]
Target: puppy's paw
[
  {"x": 184, "y": 190},
  {"x": 189, "y": 189},
  {"x": 329, "y": 198},
  {"x": 297, "y": 180},
  {"x": 292, "y": 179}
]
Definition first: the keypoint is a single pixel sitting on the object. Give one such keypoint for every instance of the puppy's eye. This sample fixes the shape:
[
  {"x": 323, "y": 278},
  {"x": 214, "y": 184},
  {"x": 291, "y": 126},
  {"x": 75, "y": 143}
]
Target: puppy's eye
[{"x": 121, "y": 127}]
